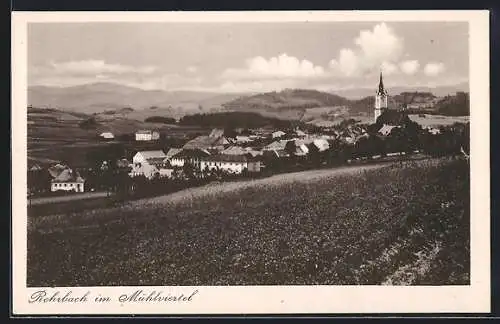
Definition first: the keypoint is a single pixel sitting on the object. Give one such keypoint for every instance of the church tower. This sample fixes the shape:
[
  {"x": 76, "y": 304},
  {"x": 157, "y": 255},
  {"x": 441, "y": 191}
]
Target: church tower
[{"x": 380, "y": 99}]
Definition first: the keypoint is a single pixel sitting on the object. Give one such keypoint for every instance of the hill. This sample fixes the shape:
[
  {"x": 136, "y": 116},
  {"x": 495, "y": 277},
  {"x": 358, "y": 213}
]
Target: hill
[
  {"x": 287, "y": 99},
  {"x": 101, "y": 97},
  {"x": 111, "y": 101},
  {"x": 439, "y": 91}
]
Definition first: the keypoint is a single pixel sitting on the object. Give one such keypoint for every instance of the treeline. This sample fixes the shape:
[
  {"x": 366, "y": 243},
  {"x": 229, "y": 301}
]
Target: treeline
[
  {"x": 457, "y": 105},
  {"x": 229, "y": 120},
  {"x": 160, "y": 120}
]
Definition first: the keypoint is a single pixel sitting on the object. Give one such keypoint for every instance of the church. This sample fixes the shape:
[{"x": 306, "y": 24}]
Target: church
[
  {"x": 380, "y": 99},
  {"x": 393, "y": 116}
]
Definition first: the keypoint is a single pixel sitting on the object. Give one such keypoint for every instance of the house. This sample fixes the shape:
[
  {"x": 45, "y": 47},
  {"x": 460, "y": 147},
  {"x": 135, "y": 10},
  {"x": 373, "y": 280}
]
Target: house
[
  {"x": 67, "y": 180},
  {"x": 147, "y": 135},
  {"x": 148, "y": 163},
  {"x": 276, "y": 145},
  {"x": 207, "y": 142},
  {"x": 278, "y": 134},
  {"x": 433, "y": 131},
  {"x": 144, "y": 169},
  {"x": 243, "y": 139},
  {"x": 107, "y": 136},
  {"x": 192, "y": 157},
  {"x": 216, "y": 133},
  {"x": 386, "y": 129},
  {"x": 56, "y": 169},
  {"x": 172, "y": 152},
  {"x": 321, "y": 144},
  {"x": 148, "y": 156},
  {"x": 235, "y": 164}
]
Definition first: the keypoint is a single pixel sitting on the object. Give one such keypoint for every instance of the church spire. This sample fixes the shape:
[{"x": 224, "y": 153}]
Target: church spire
[{"x": 381, "y": 89}]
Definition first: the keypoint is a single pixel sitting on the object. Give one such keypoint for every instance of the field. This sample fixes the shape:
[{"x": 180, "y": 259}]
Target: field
[
  {"x": 402, "y": 224},
  {"x": 55, "y": 135},
  {"x": 438, "y": 120}
]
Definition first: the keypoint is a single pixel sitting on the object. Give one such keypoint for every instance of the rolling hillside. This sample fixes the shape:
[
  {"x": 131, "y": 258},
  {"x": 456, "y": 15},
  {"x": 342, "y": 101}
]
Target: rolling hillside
[
  {"x": 112, "y": 101},
  {"x": 100, "y": 97}
]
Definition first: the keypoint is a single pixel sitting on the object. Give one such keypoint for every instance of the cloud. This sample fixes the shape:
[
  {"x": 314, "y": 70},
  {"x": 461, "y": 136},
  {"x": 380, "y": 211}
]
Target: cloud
[
  {"x": 380, "y": 44},
  {"x": 389, "y": 68},
  {"x": 96, "y": 67},
  {"x": 282, "y": 66},
  {"x": 409, "y": 67},
  {"x": 192, "y": 69},
  {"x": 433, "y": 68},
  {"x": 375, "y": 49}
]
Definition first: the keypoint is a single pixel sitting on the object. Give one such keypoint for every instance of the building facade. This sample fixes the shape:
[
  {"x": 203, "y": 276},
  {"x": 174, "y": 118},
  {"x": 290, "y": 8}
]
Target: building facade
[
  {"x": 235, "y": 164},
  {"x": 147, "y": 135}
]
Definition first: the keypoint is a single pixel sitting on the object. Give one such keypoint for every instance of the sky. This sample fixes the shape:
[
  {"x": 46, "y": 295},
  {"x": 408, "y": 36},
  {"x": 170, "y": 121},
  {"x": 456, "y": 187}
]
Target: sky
[{"x": 248, "y": 57}]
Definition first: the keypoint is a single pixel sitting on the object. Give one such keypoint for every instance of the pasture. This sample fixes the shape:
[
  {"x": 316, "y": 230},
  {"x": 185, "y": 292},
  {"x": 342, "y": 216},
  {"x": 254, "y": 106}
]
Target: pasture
[{"x": 402, "y": 224}]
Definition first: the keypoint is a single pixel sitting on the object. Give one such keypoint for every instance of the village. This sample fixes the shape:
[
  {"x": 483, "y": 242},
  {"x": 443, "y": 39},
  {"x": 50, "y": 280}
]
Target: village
[
  {"x": 246, "y": 153},
  {"x": 243, "y": 152}
]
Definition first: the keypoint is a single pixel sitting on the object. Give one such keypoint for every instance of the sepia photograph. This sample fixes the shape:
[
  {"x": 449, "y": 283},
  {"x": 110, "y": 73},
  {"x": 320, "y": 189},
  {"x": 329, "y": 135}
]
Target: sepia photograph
[{"x": 241, "y": 153}]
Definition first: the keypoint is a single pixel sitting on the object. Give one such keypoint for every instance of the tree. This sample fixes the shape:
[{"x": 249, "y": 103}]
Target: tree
[
  {"x": 290, "y": 148},
  {"x": 89, "y": 123}
]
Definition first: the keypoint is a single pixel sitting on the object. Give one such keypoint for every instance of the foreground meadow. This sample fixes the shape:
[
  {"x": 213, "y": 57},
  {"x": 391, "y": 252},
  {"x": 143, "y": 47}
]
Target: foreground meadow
[{"x": 397, "y": 224}]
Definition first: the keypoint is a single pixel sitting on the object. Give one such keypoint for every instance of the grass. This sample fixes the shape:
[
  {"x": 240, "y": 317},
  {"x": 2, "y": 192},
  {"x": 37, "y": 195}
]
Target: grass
[{"x": 404, "y": 224}]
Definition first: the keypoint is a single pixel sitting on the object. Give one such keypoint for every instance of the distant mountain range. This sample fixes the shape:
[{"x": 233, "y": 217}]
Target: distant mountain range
[
  {"x": 100, "y": 97},
  {"x": 109, "y": 98}
]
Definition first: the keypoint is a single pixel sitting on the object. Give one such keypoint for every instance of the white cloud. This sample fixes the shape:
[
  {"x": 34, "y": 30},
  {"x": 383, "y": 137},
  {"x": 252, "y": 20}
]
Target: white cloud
[
  {"x": 375, "y": 49},
  {"x": 409, "y": 67},
  {"x": 433, "y": 68},
  {"x": 380, "y": 44},
  {"x": 275, "y": 67},
  {"x": 192, "y": 69},
  {"x": 389, "y": 68},
  {"x": 96, "y": 67}
]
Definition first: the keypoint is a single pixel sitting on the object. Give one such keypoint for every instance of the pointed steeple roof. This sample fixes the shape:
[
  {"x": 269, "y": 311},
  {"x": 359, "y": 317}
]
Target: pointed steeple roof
[{"x": 381, "y": 89}]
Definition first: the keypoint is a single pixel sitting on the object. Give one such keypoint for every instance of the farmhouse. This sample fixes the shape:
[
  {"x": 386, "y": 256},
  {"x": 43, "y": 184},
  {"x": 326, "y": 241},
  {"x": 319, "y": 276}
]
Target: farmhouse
[
  {"x": 148, "y": 156},
  {"x": 149, "y": 164},
  {"x": 191, "y": 157},
  {"x": 67, "y": 180},
  {"x": 235, "y": 164},
  {"x": 107, "y": 136},
  {"x": 56, "y": 169},
  {"x": 321, "y": 144},
  {"x": 147, "y": 135},
  {"x": 278, "y": 134}
]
